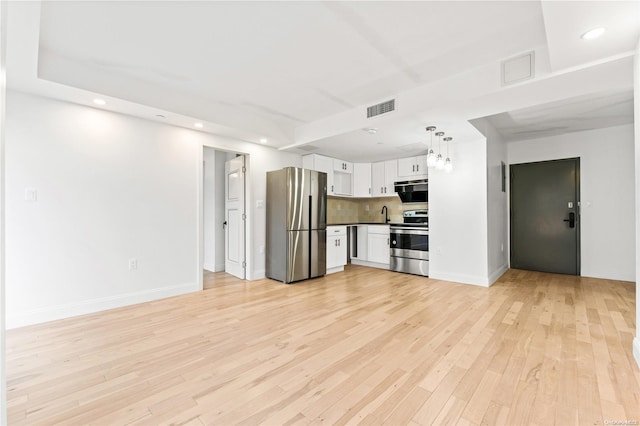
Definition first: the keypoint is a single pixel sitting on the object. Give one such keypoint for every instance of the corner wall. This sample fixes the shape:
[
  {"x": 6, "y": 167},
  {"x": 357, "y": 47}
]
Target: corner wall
[
  {"x": 110, "y": 188},
  {"x": 636, "y": 95},
  {"x": 209, "y": 197},
  {"x": 607, "y": 196},
  {"x": 3, "y": 299},
  {"x": 458, "y": 216},
  {"x": 497, "y": 201}
]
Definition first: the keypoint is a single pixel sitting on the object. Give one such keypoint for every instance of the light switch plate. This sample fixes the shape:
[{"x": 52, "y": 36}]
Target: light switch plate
[{"x": 31, "y": 195}]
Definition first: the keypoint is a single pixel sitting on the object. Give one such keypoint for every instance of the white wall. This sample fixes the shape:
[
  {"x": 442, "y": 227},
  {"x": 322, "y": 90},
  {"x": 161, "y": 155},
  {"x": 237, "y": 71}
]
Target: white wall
[
  {"x": 110, "y": 188},
  {"x": 607, "y": 194},
  {"x": 209, "y": 209},
  {"x": 219, "y": 211},
  {"x": 636, "y": 91},
  {"x": 3, "y": 304},
  {"x": 458, "y": 216},
  {"x": 497, "y": 201}
]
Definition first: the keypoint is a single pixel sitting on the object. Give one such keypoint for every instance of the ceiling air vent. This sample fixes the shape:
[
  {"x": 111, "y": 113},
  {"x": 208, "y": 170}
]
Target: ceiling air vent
[
  {"x": 519, "y": 68},
  {"x": 381, "y": 108}
]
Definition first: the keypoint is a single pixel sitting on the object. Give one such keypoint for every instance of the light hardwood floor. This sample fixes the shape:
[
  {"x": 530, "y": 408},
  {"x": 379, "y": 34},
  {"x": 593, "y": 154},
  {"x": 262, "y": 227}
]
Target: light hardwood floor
[{"x": 364, "y": 346}]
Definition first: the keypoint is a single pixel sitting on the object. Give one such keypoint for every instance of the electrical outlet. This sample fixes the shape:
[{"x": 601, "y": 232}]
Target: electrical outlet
[
  {"x": 502, "y": 247},
  {"x": 133, "y": 264}
]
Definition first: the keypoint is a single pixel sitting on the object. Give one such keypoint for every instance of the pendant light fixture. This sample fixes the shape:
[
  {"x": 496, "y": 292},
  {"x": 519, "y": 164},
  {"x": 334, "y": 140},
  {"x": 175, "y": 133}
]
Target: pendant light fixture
[
  {"x": 431, "y": 156},
  {"x": 439, "y": 159},
  {"x": 448, "y": 166}
]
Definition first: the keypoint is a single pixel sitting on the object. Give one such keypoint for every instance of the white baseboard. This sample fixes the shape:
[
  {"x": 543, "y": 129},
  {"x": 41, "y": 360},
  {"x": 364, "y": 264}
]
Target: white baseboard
[
  {"x": 52, "y": 313},
  {"x": 636, "y": 350},
  {"x": 493, "y": 277},
  {"x": 334, "y": 270},
  {"x": 259, "y": 274},
  {"x": 219, "y": 267},
  {"x": 459, "y": 278},
  {"x": 370, "y": 264}
]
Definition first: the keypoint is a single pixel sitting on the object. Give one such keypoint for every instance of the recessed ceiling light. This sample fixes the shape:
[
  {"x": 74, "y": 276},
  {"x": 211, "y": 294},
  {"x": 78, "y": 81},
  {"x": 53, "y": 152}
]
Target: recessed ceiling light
[
  {"x": 198, "y": 125},
  {"x": 99, "y": 101},
  {"x": 263, "y": 140},
  {"x": 371, "y": 130},
  {"x": 594, "y": 33}
]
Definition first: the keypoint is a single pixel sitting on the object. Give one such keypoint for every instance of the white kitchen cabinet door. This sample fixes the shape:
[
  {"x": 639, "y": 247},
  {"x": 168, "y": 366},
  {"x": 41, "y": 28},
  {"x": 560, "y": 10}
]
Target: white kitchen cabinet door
[
  {"x": 342, "y": 177},
  {"x": 421, "y": 165},
  {"x": 412, "y": 167},
  {"x": 378, "y": 248},
  {"x": 336, "y": 247},
  {"x": 321, "y": 163},
  {"x": 362, "y": 180},
  {"x": 383, "y": 175},
  {"x": 378, "y": 181},
  {"x": 342, "y": 166},
  {"x": 406, "y": 167},
  {"x": 390, "y": 176}
]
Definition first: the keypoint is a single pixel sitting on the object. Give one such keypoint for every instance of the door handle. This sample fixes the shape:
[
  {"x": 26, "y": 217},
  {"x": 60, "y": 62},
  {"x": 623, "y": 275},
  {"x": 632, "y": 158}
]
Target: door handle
[
  {"x": 224, "y": 224},
  {"x": 571, "y": 220}
]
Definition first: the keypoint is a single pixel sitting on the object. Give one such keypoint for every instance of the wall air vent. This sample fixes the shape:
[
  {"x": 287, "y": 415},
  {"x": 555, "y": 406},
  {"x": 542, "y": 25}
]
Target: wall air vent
[{"x": 381, "y": 108}]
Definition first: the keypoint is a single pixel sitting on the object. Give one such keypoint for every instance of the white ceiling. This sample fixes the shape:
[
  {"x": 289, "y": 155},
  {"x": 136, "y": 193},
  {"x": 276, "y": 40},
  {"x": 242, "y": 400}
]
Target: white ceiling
[
  {"x": 302, "y": 73},
  {"x": 587, "y": 112}
]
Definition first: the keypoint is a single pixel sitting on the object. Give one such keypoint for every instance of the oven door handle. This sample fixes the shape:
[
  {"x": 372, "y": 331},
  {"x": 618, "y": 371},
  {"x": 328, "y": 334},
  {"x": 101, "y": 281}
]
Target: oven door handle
[{"x": 411, "y": 231}]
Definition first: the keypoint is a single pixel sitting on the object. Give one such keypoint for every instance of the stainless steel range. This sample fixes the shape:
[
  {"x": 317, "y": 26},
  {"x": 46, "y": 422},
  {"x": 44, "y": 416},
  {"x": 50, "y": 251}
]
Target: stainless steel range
[{"x": 410, "y": 243}]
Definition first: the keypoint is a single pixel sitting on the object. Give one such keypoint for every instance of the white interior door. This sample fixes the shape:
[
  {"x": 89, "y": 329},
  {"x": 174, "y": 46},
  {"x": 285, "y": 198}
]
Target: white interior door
[{"x": 234, "y": 262}]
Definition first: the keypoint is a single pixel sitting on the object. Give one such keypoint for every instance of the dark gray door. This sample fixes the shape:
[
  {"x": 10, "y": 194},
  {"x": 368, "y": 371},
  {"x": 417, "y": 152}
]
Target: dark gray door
[{"x": 544, "y": 216}]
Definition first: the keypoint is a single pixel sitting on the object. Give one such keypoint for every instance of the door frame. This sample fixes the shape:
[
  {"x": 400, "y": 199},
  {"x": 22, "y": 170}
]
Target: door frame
[
  {"x": 579, "y": 209},
  {"x": 248, "y": 227}
]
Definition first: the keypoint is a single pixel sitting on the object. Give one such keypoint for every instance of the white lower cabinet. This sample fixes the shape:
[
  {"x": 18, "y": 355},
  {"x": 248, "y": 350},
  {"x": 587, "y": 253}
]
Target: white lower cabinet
[
  {"x": 378, "y": 244},
  {"x": 336, "y": 248},
  {"x": 370, "y": 247}
]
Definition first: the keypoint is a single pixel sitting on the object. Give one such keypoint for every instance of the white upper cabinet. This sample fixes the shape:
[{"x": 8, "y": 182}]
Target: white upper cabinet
[
  {"x": 366, "y": 179},
  {"x": 339, "y": 173},
  {"x": 320, "y": 163},
  {"x": 383, "y": 175},
  {"x": 342, "y": 166},
  {"x": 342, "y": 177},
  {"x": 362, "y": 179},
  {"x": 412, "y": 167}
]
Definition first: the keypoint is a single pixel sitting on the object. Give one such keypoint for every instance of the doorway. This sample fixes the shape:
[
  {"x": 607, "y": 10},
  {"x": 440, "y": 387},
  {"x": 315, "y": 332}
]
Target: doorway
[
  {"x": 545, "y": 216},
  {"x": 215, "y": 244}
]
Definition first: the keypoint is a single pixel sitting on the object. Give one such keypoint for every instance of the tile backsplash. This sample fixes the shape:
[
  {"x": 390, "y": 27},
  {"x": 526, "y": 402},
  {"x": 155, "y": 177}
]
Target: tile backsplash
[{"x": 360, "y": 210}]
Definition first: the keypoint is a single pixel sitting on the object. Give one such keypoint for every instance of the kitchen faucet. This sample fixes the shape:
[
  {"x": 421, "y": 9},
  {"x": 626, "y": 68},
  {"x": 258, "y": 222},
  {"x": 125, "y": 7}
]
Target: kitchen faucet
[{"x": 385, "y": 210}]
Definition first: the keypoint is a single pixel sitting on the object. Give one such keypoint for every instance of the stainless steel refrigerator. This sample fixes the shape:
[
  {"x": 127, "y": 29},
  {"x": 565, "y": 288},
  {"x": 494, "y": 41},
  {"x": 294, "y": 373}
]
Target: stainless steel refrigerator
[{"x": 296, "y": 224}]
